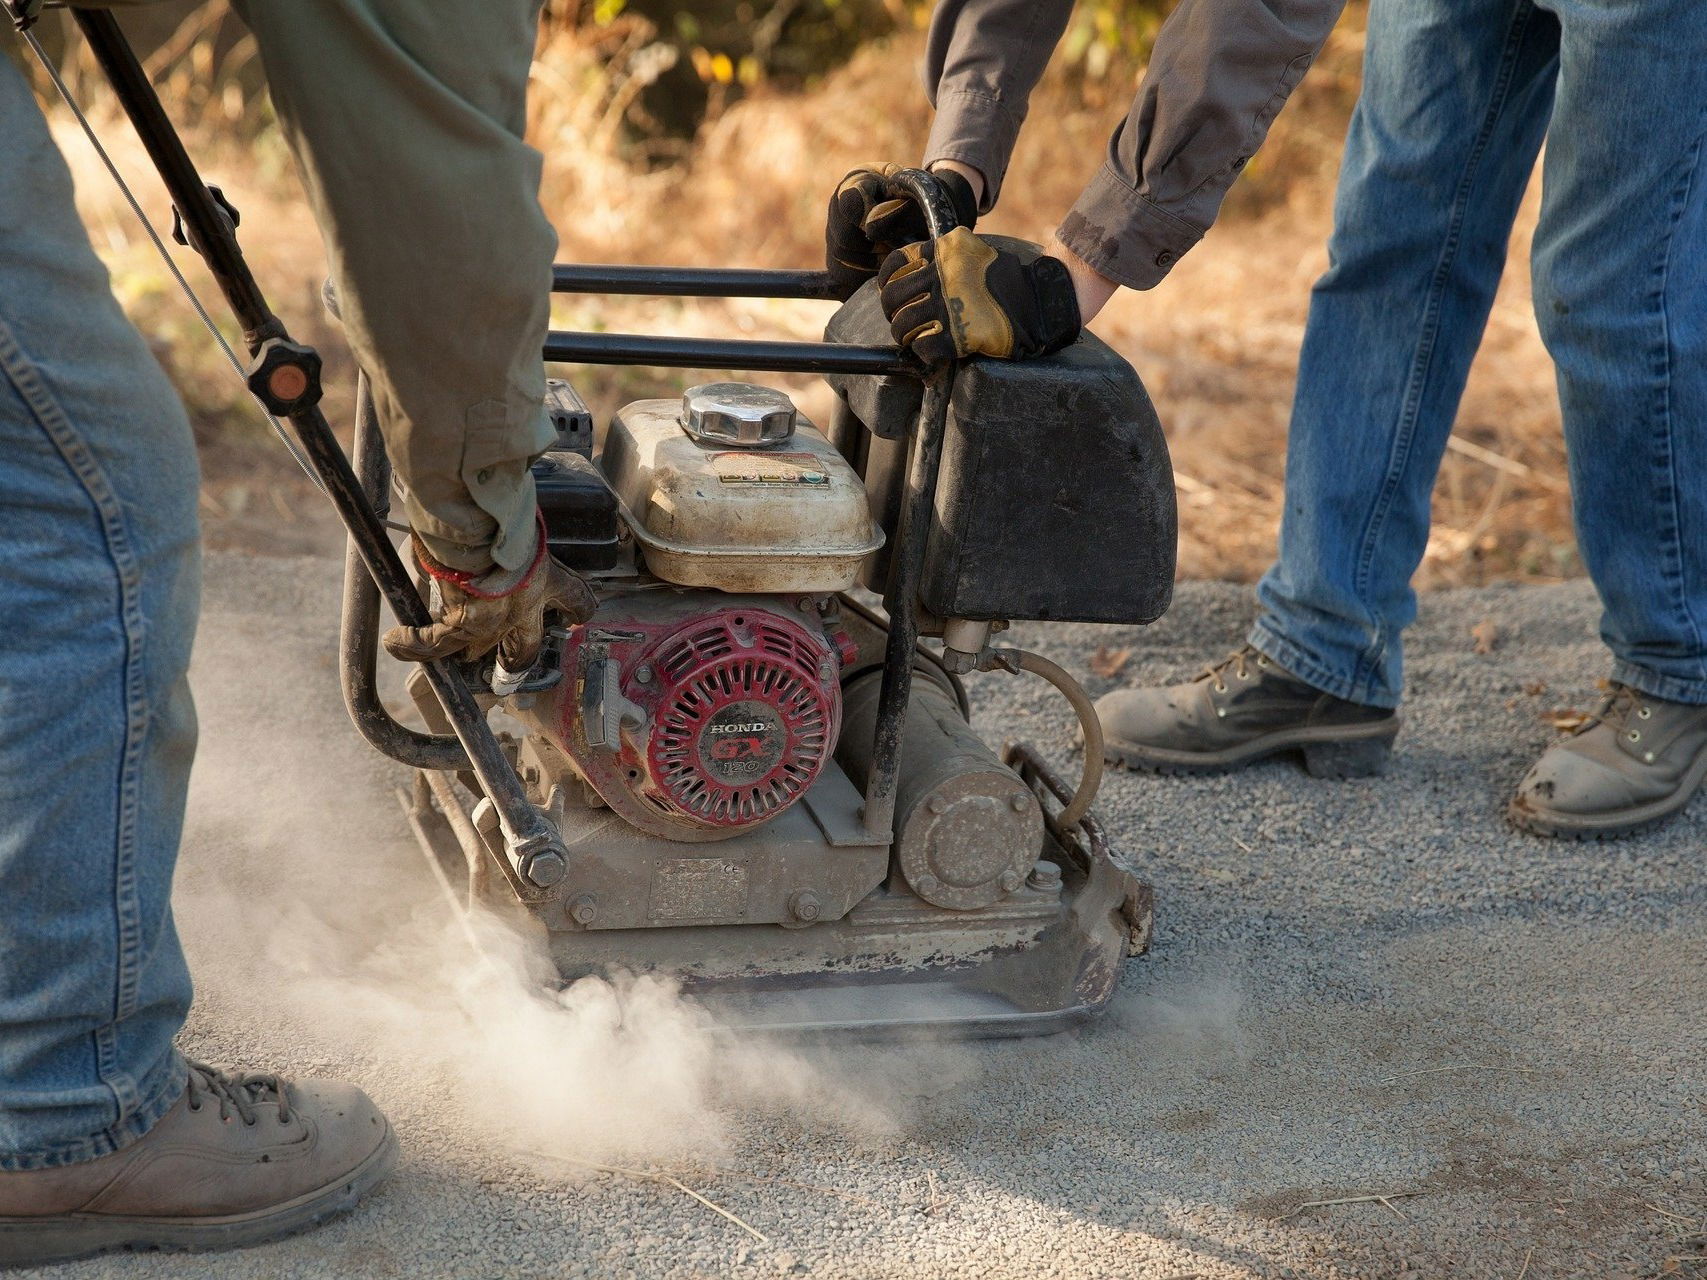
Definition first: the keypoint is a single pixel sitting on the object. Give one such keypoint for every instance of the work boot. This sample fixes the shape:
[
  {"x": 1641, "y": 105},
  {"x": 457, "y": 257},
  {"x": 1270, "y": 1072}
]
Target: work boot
[
  {"x": 1630, "y": 766},
  {"x": 1242, "y": 709},
  {"x": 237, "y": 1160}
]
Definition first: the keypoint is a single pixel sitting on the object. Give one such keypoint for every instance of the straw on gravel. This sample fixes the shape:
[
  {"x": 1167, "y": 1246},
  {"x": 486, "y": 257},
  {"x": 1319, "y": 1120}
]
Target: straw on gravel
[
  {"x": 1385, "y": 1199},
  {"x": 1457, "y": 1066},
  {"x": 668, "y": 1179}
]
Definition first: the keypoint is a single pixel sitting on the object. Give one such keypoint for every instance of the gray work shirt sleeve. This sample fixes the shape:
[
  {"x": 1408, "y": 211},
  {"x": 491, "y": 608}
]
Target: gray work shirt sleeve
[
  {"x": 1219, "y": 74},
  {"x": 408, "y": 127},
  {"x": 982, "y": 60}
]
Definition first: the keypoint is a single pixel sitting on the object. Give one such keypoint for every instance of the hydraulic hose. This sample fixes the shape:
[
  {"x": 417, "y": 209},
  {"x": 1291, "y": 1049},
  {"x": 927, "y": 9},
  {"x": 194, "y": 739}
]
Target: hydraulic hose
[{"x": 1091, "y": 779}]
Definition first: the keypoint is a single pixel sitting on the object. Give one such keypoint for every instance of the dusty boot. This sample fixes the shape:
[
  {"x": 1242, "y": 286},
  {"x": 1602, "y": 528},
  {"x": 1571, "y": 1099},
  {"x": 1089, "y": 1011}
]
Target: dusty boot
[
  {"x": 1629, "y": 767},
  {"x": 1241, "y": 709},
  {"x": 238, "y": 1160}
]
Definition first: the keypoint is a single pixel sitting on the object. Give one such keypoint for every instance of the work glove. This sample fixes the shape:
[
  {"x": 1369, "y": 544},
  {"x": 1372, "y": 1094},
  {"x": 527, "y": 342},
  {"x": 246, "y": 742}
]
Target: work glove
[
  {"x": 502, "y": 609},
  {"x": 865, "y": 224},
  {"x": 23, "y": 13},
  {"x": 960, "y": 296}
]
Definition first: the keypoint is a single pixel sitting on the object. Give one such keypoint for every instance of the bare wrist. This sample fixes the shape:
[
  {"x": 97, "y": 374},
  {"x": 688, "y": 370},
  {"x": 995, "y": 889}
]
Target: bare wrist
[
  {"x": 972, "y": 176},
  {"x": 1092, "y": 288}
]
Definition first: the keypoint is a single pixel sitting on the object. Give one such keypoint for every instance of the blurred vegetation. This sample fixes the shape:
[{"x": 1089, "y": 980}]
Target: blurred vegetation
[
  {"x": 711, "y": 132},
  {"x": 682, "y": 63},
  {"x": 668, "y": 66}
]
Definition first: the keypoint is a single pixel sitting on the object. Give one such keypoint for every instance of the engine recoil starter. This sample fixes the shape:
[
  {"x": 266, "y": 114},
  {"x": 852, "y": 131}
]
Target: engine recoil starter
[{"x": 700, "y": 726}]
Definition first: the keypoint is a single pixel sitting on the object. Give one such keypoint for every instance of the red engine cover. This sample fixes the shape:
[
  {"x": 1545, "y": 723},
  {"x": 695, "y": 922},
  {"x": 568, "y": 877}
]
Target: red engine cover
[{"x": 742, "y": 708}]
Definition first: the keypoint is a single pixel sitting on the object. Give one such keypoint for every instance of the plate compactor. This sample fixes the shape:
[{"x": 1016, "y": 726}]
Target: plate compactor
[{"x": 742, "y": 771}]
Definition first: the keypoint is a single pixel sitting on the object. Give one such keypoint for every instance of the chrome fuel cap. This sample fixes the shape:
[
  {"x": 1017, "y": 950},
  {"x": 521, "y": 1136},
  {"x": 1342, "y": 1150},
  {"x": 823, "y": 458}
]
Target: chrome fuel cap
[{"x": 737, "y": 413}]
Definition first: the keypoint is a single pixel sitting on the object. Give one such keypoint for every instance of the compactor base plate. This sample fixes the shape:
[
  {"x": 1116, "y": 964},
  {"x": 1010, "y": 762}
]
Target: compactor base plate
[{"x": 1046, "y": 959}]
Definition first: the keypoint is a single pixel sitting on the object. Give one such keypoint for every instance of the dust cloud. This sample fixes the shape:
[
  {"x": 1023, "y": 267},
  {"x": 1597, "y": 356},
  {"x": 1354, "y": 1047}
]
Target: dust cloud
[
  {"x": 1198, "y": 1019},
  {"x": 317, "y": 936}
]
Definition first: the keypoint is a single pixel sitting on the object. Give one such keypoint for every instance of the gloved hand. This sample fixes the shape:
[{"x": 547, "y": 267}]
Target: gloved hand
[
  {"x": 865, "y": 224},
  {"x": 961, "y": 296},
  {"x": 23, "y": 13},
  {"x": 502, "y": 609}
]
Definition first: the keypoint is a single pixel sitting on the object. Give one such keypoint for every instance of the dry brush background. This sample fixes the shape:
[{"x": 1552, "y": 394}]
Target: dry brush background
[{"x": 676, "y": 138}]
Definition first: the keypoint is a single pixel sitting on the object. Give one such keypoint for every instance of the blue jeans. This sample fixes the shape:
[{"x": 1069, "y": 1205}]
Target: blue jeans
[
  {"x": 99, "y": 583},
  {"x": 1457, "y": 97}
]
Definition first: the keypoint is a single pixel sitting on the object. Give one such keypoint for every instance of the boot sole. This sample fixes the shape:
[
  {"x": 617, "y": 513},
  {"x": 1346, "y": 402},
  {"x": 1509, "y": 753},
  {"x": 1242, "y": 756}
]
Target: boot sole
[
  {"x": 1556, "y": 824},
  {"x": 1330, "y": 751},
  {"x": 34, "y": 1242}
]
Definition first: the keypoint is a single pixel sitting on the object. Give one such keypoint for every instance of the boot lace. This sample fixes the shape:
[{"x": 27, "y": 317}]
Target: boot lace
[
  {"x": 1239, "y": 663},
  {"x": 1616, "y": 707},
  {"x": 236, "y": 1094}
]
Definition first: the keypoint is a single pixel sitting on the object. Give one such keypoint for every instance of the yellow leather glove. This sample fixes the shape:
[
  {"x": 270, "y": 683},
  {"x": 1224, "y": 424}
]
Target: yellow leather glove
[{"x": 960, "y": 296}]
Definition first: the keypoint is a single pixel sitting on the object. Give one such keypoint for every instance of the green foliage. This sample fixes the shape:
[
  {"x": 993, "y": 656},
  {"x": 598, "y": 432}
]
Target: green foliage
[
  {"x": 718, "y": 49},
  {"x": 695, "y": 57},
  {"x": 686, "y": 60},
  {"x": 1104, "y": 33}
]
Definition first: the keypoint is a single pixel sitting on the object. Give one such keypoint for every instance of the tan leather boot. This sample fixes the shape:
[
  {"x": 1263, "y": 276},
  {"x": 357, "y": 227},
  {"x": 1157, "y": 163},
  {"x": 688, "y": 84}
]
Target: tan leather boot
[
  {"x": 1628, "y": 768},
  {"x": 1238, "y": 711},
  {"x": 239, "y": 1160}
]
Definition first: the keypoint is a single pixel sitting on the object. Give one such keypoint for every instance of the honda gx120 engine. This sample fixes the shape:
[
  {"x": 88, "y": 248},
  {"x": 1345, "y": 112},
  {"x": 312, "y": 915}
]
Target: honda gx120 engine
[{"x": 705, "y": 697}]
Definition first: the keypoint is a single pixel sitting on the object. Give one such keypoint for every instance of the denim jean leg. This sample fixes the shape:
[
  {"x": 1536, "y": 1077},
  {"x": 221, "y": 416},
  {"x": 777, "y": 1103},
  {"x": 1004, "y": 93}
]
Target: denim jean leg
[
  {"x": 1620, "y": 286},
  {"x": 99, "y": 594},
  {"x": 1455, "y": 100}
]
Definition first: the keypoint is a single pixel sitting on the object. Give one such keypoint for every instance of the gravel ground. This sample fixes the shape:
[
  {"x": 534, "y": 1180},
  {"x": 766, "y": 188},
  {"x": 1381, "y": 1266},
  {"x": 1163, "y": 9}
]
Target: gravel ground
[{"x": 1356, "y": 989}]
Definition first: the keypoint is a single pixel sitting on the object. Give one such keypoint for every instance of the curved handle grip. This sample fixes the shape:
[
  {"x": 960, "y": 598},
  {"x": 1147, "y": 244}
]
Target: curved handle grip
[{"x": 925, "y": 189}]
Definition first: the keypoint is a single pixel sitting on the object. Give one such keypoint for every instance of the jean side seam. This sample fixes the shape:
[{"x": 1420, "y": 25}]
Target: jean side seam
[
  {"x": 50, "y": 416},
  {"x": 1422, "y": 362},
  {"x": 1674, "y": 571}
]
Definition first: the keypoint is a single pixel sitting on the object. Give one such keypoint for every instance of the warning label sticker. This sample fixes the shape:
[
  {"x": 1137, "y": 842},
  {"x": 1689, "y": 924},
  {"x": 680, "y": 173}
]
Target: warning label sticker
[{"x": 769, "y": 468}]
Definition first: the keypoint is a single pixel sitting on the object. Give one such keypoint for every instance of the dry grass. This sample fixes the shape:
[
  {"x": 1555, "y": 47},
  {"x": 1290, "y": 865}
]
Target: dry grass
[{"x": 1216, "y": 344}]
